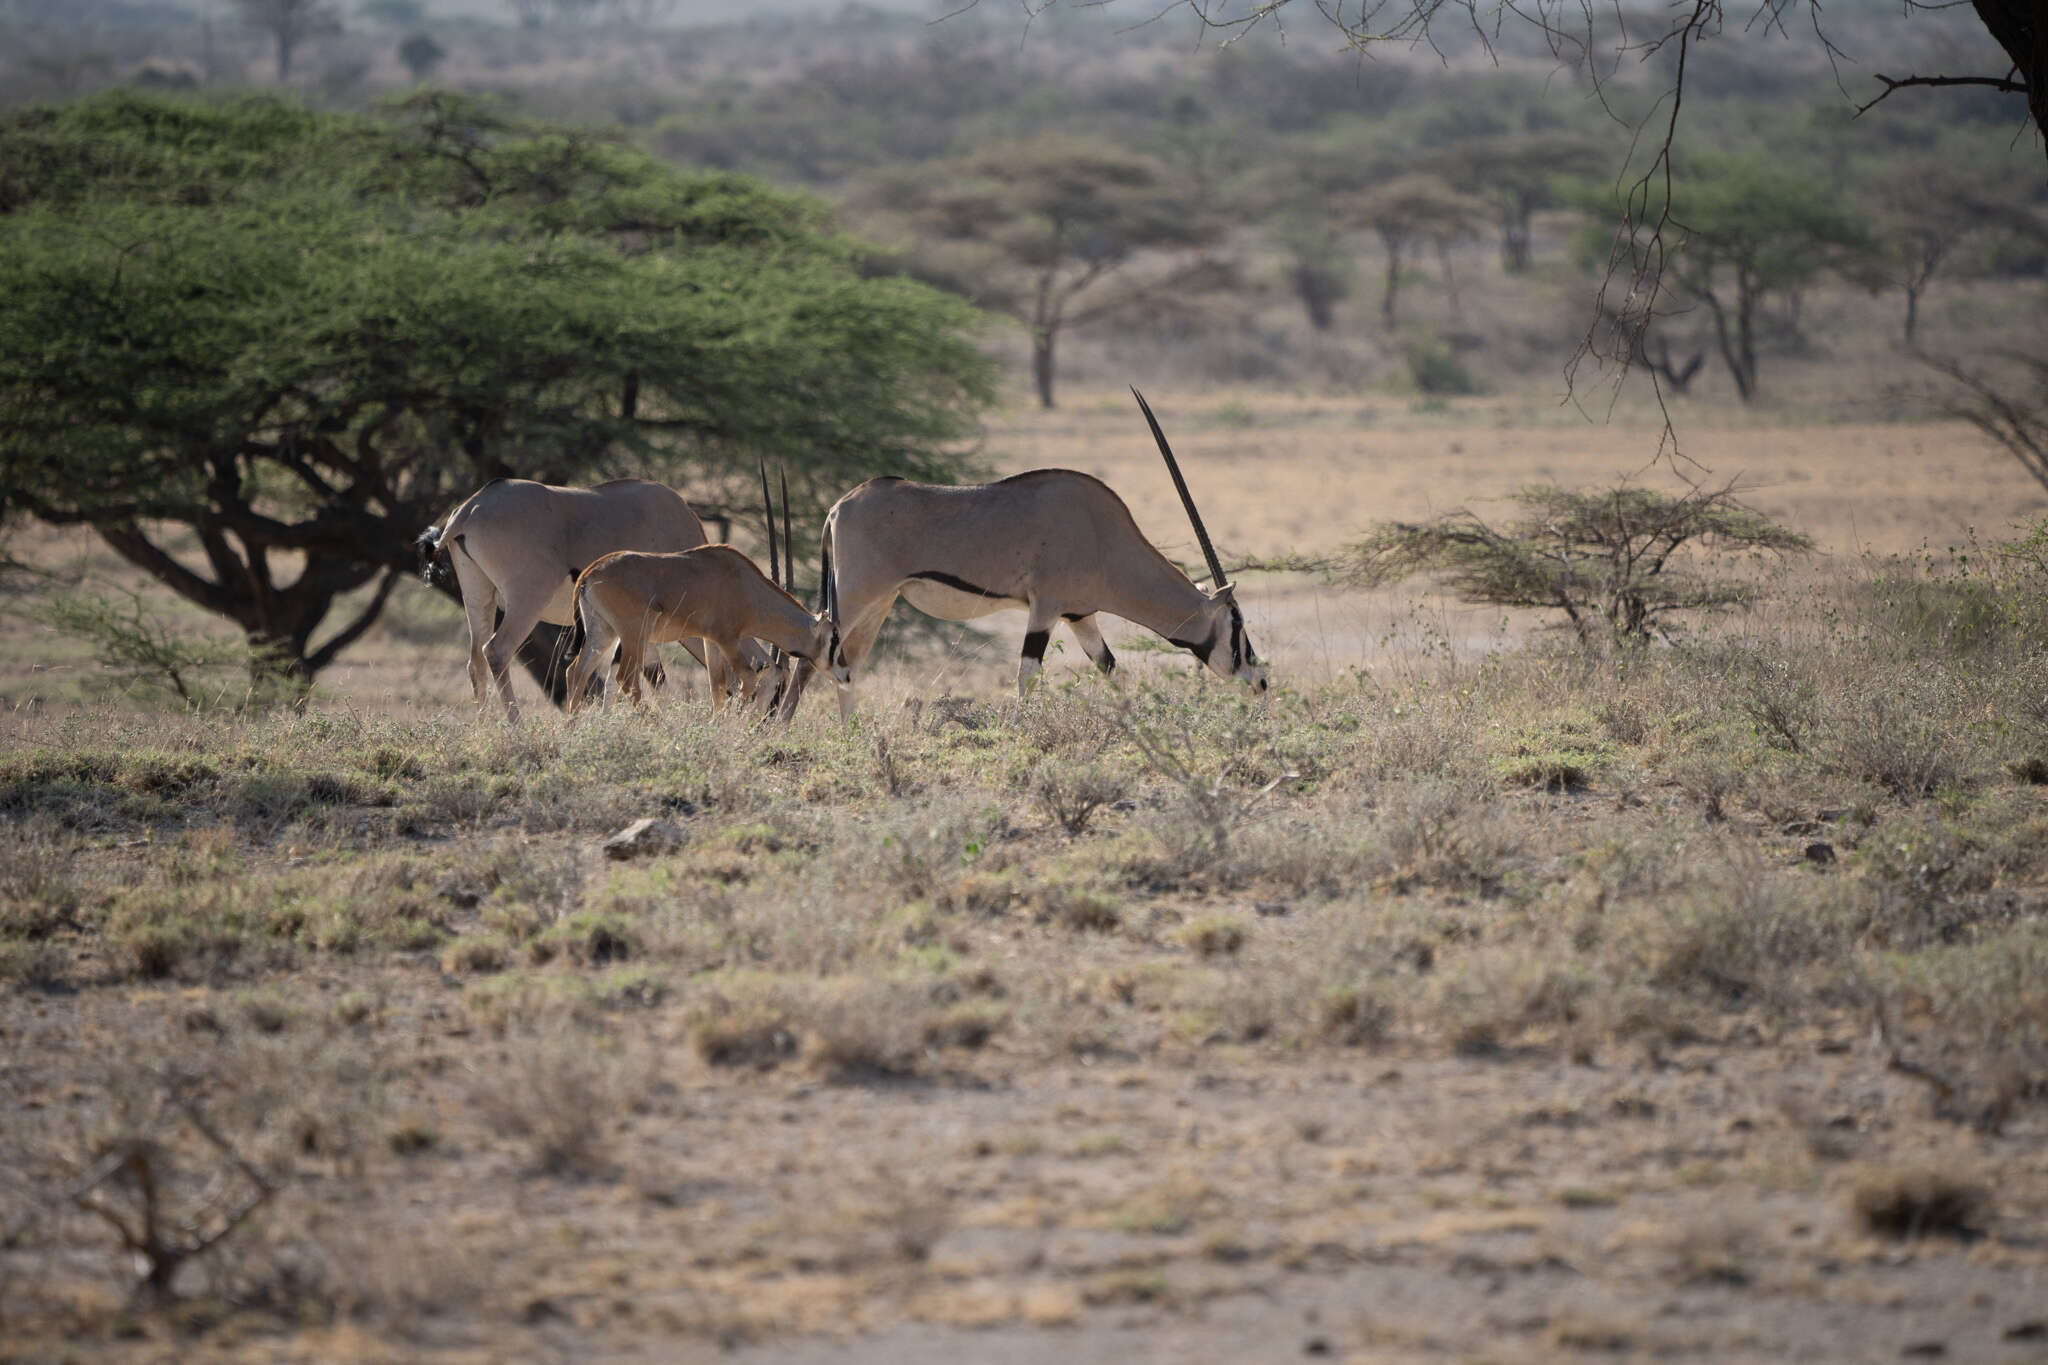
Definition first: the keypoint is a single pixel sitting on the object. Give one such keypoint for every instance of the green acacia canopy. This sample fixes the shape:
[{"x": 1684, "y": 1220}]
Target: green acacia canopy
[{"x": 299, "y": 337}]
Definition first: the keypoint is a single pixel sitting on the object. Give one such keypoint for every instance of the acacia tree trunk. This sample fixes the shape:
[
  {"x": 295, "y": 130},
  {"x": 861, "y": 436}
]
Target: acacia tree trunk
[
  {"x": 1515, "y": 233},
  {"x": 1318, "y": 289},
  {"x": 1443, "y": 256},
  {"x": 1737, "y": 343},
  {"x": 1042, "y": 363},
  {"x": 1392, "y": 242}
]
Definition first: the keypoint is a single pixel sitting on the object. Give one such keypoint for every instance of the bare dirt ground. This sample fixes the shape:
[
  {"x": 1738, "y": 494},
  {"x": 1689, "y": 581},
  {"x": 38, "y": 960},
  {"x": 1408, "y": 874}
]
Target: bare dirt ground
[{"x": 1433, "y": 1062}]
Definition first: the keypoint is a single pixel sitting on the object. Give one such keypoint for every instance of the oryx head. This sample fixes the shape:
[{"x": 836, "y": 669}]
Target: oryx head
[
  {"x": 831, "y": 656},
  {"x": 1216, "y": 634}
]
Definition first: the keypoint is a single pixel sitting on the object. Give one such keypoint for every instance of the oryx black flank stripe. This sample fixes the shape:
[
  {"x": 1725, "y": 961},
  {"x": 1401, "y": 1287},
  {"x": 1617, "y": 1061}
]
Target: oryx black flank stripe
[
  {"x": 957, "y": 584},
  {"x": 1034, "y": 644}
]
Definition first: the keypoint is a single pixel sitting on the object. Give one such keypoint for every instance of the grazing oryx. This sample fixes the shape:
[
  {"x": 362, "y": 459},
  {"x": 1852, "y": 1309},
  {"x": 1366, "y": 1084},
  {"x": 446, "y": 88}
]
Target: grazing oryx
[
  {"x": 1058, "y": 543},
  {"x": 630, "y": 601},
  {"x": 517, "y": 547}
]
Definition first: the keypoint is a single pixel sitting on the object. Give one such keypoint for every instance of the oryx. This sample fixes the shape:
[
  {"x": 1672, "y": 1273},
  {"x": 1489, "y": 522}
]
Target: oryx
[
  {"x": 1058, "y": 543},
  {"x": 517, "y": 547},
  {"x": 630, "y": 601}
]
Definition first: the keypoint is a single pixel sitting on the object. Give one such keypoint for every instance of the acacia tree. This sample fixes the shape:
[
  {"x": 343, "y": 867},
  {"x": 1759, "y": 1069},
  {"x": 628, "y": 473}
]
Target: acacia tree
[
  {"x": 1050, "y": 231},
  {"x": 290, "y": 23},
  {"x": 1518, "y": 174},
  {"x": 1922, "y": 212},
  {"x": 1410, "y": 211},
  {"x": 1626, "y": 559},
  {"x": 1310, "y": 192},
  {"x": 1750, "y": 230},
  {"x": 296, "y": 339}
]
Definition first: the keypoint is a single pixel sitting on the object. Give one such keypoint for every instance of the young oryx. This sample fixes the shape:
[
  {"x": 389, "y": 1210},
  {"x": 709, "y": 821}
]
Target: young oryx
[
  {"x": 631, "y": 601},
  {"x": 517, "y": 547},
  {"x": 1058, "y": 543}
]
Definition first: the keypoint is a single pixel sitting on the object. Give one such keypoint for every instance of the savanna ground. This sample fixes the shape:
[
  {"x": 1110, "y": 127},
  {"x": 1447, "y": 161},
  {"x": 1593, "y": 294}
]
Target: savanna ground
[{"x": 1466, "y": 998}]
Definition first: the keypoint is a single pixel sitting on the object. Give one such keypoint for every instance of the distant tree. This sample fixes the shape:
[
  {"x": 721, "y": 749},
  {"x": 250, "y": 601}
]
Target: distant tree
[
  {"x": 290, "y": 23},
  {"x": 1519, "y": 174},
  {"x": 290, "y": 340},
  {"x": 1054, "y": 227},
  {"x": 1411, "y": 211},
  {"x": 1751, "y": 229},
  {"x": 421, "y": 55},
  {"x": 1616, "y": 561},
  {"x": 1922, "y": 212},
  {"x": 1320, "y": 268}
]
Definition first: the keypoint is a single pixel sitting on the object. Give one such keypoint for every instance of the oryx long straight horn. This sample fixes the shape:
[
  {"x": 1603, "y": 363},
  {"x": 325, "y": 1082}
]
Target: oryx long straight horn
[
  {"x": 768, "y": 511},
  {"x": 788, "y": 550},
  {"x": 1216, "y": 578}
]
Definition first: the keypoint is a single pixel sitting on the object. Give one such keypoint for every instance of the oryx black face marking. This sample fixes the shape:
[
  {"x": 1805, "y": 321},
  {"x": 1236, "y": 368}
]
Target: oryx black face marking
[
  {"x": 1034, "y": 644},
  {"x": 1201, "y": 649},
  {"x": 957, "y": 584}
]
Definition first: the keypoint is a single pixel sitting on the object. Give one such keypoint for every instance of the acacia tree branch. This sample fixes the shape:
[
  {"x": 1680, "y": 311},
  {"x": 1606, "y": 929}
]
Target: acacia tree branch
[
  {"x": 129, "y": 542},
  {"x": 353, "y": 631},
  {"x": 2005, "y": 83}
]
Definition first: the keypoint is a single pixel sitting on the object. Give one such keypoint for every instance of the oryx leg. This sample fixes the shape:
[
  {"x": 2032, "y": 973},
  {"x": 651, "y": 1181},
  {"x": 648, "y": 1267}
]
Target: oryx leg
[
  {"x": 513, "y": 628},
  {"x": 1090, "y": 635},
  {"x": 626, "y": 672},
  {"x": 480, "y": 605},
  {"x": 854, "y": 643},
  {"x": 599, "y": 640},
  {"x": 735, "y": 670},
  {"x": 1037, "y": 634}
]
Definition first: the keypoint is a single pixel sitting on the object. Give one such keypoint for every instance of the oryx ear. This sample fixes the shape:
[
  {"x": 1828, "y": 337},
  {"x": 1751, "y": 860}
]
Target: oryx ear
[{"x": 1226, "y": 593}]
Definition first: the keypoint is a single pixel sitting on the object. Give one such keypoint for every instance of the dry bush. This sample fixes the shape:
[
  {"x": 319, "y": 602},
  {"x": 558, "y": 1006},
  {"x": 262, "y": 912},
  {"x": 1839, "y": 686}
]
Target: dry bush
[
  {"x": 1498, "y": 996},
  {"x": 181, "y": 1150},
  {"x": 1896, "y": 727},
  {"x": 38, "y": 890},
  {"x": 1078, "y": 908},
  {"x": 1920, "y": 1202},
  {"x": 1738, "y": 935},
  {"x": 1316, "y": 851},
  {"x": 1979, "y": 1030},
  {"x": 1415, "y": 738},
  {"x": 559, "y": 1088},
  {"x": 1443, "y": 833},
  {"x": 1217, "y": 934},
  {"x": 1070, "y": 795},
  {"x": 1926, "y": 883},
  {"x": 865, "y": 1030}
]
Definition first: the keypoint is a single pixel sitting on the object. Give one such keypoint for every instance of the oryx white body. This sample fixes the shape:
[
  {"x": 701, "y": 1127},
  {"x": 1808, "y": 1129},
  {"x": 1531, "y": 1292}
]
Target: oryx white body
[
  {"x": 631, "y": 601},
  {"x": 517, "y": 547},
  {"x": 1060, "y": 544}
]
